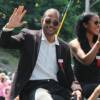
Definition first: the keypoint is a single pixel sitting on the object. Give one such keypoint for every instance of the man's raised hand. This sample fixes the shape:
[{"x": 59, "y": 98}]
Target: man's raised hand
[{"x": 16, "y": 18}]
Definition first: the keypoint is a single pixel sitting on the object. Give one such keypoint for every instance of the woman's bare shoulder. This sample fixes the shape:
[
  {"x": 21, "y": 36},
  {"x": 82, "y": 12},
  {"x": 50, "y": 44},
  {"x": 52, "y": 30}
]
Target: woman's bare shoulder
[{"x": 74, "y": 43}]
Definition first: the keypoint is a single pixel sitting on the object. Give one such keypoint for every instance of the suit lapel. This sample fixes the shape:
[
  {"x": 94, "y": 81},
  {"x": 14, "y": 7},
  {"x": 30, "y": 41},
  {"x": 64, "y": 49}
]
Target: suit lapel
[
  {"x": 37, "y": 46},
  {"x": 58, "y": 54},
  {"x": 60, "y": 60}
]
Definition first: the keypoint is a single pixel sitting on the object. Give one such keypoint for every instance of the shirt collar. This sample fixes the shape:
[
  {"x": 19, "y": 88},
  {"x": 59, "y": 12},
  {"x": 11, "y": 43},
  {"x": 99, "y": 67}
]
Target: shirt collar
[{"x": 56, "y": 42}]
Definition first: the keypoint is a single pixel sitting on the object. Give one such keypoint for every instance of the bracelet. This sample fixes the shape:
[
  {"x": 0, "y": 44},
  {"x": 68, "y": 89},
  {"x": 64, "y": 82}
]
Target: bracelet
[{"x": 7, "y": 29}]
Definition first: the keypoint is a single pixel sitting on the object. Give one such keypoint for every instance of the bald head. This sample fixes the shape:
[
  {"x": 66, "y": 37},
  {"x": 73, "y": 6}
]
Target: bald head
[{"x": 52, "y": 12}]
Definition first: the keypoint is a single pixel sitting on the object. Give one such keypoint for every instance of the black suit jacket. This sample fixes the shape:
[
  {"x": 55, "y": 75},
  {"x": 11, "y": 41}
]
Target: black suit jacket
[{"x": 29, "y": 49}]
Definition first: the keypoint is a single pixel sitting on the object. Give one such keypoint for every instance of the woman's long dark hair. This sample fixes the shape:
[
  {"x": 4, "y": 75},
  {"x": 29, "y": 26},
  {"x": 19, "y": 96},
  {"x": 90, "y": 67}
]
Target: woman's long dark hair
[{"x": 80, "y": 30}]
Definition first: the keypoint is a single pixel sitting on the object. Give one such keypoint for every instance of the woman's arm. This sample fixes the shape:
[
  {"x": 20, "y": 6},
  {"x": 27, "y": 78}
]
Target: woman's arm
[
  {"x": 85, "y": 58},
  {"x": 95, "y": 93}
]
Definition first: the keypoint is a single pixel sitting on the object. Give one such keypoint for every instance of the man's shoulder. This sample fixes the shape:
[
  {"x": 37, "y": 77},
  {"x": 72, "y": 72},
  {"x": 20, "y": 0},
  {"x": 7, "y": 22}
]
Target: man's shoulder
[
  {"x": 30, "y": 32},
  {"x": 62, "y": 42}
]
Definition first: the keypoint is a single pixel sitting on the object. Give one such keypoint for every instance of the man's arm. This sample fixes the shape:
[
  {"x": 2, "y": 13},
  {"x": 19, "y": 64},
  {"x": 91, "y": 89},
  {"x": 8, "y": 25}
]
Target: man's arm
[{"x": 6, "y": 38}]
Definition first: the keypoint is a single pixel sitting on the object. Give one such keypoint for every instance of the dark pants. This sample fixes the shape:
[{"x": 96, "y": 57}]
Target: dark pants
[
  {"x": 2, "y": 98},
  {"x": 88, "y": 88},
  {"x": 57, "y": 92}
]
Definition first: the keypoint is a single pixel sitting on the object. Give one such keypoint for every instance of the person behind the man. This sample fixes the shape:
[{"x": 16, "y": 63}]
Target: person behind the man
[{"x": 44, "y": 70}]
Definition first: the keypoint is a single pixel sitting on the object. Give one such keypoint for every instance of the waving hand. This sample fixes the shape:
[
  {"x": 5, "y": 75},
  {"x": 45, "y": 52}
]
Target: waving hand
[{"x": 16, "y": 18}]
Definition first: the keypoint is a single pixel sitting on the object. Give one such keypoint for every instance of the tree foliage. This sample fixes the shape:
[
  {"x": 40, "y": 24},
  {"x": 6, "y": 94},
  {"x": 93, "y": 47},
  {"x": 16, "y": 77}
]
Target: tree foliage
[{"x": 35, "y": 9}]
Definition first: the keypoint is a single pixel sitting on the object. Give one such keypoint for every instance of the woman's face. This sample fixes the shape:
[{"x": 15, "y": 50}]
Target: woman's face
[{"x": 93, "y": 25}]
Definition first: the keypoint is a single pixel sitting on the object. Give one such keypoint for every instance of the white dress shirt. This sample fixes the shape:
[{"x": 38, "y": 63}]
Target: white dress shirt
[{"x": 46, "y": 65}]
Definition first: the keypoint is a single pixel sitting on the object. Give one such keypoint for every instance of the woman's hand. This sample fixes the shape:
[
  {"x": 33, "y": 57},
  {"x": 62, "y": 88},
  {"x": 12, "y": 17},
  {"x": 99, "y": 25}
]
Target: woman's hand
[{"x": 78, "y": 94}]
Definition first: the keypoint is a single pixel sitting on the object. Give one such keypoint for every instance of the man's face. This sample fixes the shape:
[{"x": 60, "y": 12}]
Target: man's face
[{"x": 50, "y": 23}]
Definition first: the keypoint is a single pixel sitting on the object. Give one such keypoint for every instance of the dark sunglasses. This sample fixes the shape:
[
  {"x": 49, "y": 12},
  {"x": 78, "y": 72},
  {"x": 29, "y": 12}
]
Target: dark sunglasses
[
  {"x": 97, "y": 22},
  {"x": 48, "y": 21}
]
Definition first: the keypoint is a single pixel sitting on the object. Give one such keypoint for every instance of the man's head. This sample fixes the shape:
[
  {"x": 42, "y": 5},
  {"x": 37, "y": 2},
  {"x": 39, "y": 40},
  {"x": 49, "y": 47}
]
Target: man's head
[{"x": 50, "y": 21}]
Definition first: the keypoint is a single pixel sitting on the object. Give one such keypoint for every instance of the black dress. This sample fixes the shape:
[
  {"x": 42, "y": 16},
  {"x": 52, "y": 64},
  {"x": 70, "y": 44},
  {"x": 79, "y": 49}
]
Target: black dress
[{"x": 87, "y": 75}]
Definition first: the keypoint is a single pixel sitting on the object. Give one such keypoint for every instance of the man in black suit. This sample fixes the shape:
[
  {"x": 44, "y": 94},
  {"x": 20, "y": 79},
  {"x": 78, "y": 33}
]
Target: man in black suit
[{"x": 44, "y": 71}]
